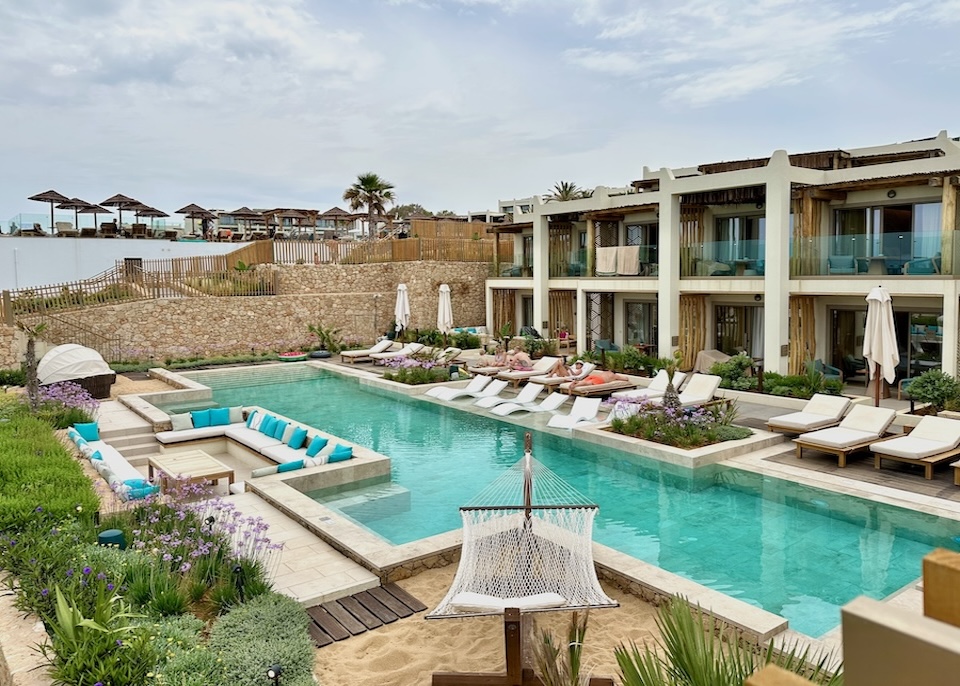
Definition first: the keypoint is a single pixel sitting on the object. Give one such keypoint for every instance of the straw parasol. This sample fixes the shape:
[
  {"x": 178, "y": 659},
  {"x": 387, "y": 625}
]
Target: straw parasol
[
  {"x": 152, "y": 212},
  {"x": 246, "y": 213},
  {"x": 194, "y": 211},
  {"x": 445, "y": 310},
  {"x": 880, "y": 339},
  {"x": 94, "y": 210},
  {"x": 51, "y": 197},
  {"x": 75, "y": 204},
  {"x": 401, "y": 311},
  {"x": 120, "y": 202}
]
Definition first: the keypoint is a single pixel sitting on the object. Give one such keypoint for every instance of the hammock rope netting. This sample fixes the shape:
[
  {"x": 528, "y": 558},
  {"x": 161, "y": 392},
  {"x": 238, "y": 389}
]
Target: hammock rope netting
[{"x": 527, "y": 540}]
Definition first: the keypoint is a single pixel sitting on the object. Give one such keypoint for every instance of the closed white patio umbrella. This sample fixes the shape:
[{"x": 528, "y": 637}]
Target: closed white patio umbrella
[
  {"x": 880, "y": 339},
  {"x": 445, "y": 310},
  {"x": 401, "y": 312}
]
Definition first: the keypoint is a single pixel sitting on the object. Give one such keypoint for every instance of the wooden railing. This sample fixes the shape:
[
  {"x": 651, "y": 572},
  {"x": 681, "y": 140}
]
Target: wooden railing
[
  {"x": 108, "y": 287},
  {"x": 61, "y": 329}
]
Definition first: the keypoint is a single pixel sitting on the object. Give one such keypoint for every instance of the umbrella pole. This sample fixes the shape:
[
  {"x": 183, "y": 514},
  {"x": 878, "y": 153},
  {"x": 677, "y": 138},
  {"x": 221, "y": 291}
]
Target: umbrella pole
[
  {"x": 51, "y": 218},
  {"x": 877, "y": 380}
]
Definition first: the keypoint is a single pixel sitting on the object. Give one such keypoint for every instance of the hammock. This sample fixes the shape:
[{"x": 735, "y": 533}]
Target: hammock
[{"x": 527, "y": 546}]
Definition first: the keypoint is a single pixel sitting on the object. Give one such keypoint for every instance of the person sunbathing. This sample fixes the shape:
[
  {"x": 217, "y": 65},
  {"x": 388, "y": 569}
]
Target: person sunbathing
[
  {"x": 518, "y": 359},
  {"x": 597, "y": 378},
  {"x": 560, "y": 369},
  {"x": 499, "y": 359}
]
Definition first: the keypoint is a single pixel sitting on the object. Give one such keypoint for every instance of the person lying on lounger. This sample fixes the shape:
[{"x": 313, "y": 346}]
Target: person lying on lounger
[
  {"x": 497, "y": 360},
  {"x": 598, "y": 377},
  {"x": 518, "y": 359},
  {"x": 574, "y": 371}
]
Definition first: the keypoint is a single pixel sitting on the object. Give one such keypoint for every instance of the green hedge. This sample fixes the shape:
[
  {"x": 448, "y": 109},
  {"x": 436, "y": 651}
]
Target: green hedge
[{"x": 37, "y": 471}]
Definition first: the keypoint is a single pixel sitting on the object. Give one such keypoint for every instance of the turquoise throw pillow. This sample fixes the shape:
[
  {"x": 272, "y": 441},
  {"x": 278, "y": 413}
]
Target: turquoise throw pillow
[
  {"x": 143, "y": 492},
  {"x": 219, "y": 416},
  {"x": 136, "y": 483},
  {"x": 340, "y": 453},
  {"x": 278, "y": 430},
  {"x": 201, "y": 418},
  {"x": 290, "y": 466},
  {"x": 89, "y": 431},
  {"x": 267, "y": 425},
  {"x": 316, "y": 445},
  {"x": 298, "y": 438},
  {"x": 95, "y": 455},
  {"x": 250, "y": 418}
]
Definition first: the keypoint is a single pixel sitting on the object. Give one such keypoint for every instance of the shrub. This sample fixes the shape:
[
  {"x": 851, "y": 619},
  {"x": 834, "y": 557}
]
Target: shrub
[
  {"x": 682, "y": 428},
  {"x": 415, "y": 370},
  {"x": 36, "y": 471},
  {"x": 465, "y": 340},
  {"x": 270, "y": 629},
  {"x": 936, "y": 388},
  {"x": 66, "y": 403},
  {"x": 12, "y": 377},
  {"x": 734, "y": 373}
]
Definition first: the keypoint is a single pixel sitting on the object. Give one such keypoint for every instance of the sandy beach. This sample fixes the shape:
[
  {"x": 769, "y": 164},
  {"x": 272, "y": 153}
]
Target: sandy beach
[{"x": 408, "y": 651}]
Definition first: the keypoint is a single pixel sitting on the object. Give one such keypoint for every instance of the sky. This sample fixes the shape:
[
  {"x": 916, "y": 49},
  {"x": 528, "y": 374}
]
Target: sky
[{"x": 457, "y": 103}]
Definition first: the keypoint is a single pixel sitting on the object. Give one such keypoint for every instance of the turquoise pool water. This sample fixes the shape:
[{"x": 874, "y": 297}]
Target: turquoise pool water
[{"x": 796, "y": 551}]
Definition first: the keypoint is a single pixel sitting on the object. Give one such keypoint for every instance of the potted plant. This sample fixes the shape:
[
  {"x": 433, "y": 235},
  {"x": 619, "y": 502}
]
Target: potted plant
[{"x": 328, "y": 340}]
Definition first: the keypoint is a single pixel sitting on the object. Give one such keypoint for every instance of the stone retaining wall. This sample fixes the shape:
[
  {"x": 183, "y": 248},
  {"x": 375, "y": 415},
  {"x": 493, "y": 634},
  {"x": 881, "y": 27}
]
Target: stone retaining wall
[
  {"x": 12, "y": 347},
  {"x": 338, "y": 296}
]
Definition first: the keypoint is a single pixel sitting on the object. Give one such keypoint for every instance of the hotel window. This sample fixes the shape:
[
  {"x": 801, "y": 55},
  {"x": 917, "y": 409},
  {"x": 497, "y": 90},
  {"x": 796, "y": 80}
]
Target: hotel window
[
  {"x": 897, "y": 232},
  {"x": 646, "y": 236},
  {"x": 741, "y": 238}
]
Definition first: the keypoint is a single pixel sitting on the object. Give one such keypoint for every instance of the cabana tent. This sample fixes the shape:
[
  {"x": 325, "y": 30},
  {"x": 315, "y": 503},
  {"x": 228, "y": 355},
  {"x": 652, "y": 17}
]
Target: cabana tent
[{"x": 76, "y": 363}]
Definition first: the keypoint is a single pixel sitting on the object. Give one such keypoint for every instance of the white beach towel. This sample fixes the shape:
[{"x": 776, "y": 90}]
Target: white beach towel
[
  {"x": 607, "y": 261},
  {"x": 628, "y": 260}
]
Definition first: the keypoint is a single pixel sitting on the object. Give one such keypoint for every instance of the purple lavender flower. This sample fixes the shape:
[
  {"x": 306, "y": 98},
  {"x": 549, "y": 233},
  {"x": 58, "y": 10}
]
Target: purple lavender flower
[{"x": 86, "y": 571}]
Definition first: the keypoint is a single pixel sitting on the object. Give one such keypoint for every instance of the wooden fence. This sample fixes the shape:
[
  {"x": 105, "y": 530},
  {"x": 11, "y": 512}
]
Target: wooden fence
[{"x": 391, "y": 250}]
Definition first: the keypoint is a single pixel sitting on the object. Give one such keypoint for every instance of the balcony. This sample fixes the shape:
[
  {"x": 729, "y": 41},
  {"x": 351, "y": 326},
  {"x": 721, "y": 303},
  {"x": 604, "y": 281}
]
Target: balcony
[
  {"x": 722, "y": 259},
  {"x": 901, "y": 254},
  {"x": 613, "y": 261},
  {"x": 510, "y": 270}
]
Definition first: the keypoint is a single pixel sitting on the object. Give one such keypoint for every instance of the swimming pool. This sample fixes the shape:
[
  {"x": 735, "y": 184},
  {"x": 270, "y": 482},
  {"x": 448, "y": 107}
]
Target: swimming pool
[{"x": 796, "y": 551}]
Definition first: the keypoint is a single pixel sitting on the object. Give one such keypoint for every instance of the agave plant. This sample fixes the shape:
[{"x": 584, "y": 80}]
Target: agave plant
[{"x": 691, "y": 656}]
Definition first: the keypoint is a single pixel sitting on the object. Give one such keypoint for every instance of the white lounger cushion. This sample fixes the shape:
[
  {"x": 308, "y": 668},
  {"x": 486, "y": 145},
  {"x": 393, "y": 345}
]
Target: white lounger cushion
[
  {"x": 491, "y": 389},
  {"x": 838, "y": 437},
  {"x": 379, "y": 347},
  {"x": 584, "y": 410},
  {"x": 194, "y": 434},
  {"x": 802, "y": 421},
  {"x": 656, "y": 388},
  {"x": 408, "y": 349},
  {"x": 931, "y": 436},
  {"x": 283, "y": 453},
  {"x": 827, "y": 405},
  {"x": 873, "y": 420},
  {"x": 117, "y": 463},
  {"x": 550, "y": 380},
  {"x": 527, "y": 395},
  {"x": 478, "y": 602}
]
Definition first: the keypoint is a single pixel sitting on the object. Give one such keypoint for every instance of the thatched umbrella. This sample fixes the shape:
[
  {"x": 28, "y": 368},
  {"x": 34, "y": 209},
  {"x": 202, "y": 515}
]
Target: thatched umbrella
[
  {"x": 75, "y": 204},
  {"x": 152, "y": 212},
  {"x": 51, "y": 197},
  {"x": 194, "y": 211},
  {"x": 94, "y": 210},
  {"x": 246, "y": 213},
  {"x": 120, "y": 202}
]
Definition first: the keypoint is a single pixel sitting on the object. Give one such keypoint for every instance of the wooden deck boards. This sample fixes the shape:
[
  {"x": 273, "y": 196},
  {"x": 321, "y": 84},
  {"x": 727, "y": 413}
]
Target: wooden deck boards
[{"x": 338, "y": 620}]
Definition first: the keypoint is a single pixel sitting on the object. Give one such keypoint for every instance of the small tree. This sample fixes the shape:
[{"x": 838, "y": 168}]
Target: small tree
[
  {"x": 30, "y": 362},
  {"x": 671, "y": 399},
  {"x": 935, "y": 388}
]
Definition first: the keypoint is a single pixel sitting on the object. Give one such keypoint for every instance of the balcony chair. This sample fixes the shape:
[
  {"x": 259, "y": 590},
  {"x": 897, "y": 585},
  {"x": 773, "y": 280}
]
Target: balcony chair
[
  {"x": 922, "y": 266},
  {"x": 829, "y": 372},
  {"x": 841, "y": 264}
]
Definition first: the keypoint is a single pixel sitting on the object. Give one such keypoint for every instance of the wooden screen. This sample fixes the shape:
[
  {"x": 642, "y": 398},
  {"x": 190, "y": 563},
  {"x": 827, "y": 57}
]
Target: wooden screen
[
  {"x": 504, "y": 310},
  {"x": 691, "y": 239},
  {"x": 803, "y": 338},
  {"x": 693, "y": 328},
  {"x": 561, "y": 312},
  {"x": 807, "y": 241}
]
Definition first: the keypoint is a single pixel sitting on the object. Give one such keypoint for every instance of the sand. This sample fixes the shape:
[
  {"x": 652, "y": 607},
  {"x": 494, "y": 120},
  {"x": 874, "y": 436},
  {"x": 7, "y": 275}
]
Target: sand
[
  {"x": 126, "y": 386},
  {"x": 408, "y": 651}
]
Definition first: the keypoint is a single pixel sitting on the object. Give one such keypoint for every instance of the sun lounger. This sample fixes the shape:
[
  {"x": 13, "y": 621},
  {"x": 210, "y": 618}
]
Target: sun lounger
[
  {"x": 597, "y": 390},
  {"x": 862, "y": 426},
  {"x": 405, "y": 351},
  {"x": 820, "y": 412},
  {"x": 487, "y": 371},
  {"x": 699, "y": 390},
  {"x": 557, "y": 380},
  {"x": 657, "y": 387},
  {"x": 476, "y": 384},
  {"x": 352, "y": 356},
  {"x": 584, "y": 411},
  {"x": 549, "y": 404},
  {"x": 933, "y": 440},
  {"x": 540, "y": 367},
  {"x": 447, "y": 355},
  {"x": 491, "y": 389},
  {"x": 528, "y": 394}
]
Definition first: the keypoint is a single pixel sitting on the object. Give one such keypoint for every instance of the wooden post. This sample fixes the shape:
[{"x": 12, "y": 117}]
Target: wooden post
[
  {"x": 513, "y": 646},
  {"x": 7, "y": 310}
]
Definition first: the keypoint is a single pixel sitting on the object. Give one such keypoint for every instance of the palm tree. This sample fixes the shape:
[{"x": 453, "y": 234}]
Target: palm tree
[
  {"x": 372, "y": 192},
  {"x": 566, "y": 190}
]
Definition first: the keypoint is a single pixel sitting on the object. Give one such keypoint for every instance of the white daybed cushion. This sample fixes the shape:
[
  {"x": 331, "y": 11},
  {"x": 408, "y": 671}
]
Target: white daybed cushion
[
  {"x": 802, "y": 421},
  {"x": 478, "y": 602},
  {"x": 638, "y": 393},
  {"x": 838, "y": 437},
  {"x": 283, "y": 453},
  {"x": 378, "y": 347},
  {"x": 250, "y": 438},
  {"x": 117, "y": 463},
  {"x": 910, "y": 446},
  {"x": 193, "y": 434},
  {"x": 938, "y": 429}
]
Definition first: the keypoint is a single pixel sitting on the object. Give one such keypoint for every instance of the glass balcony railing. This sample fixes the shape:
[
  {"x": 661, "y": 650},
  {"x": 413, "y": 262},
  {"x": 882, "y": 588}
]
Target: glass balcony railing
[
  {"x": 715, "y": 259},
  {"x": 891, "y": 254},
  {"x": 506, "y": 270},
  {"x": 614, "y": 261}
]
